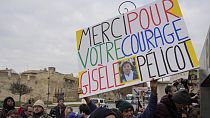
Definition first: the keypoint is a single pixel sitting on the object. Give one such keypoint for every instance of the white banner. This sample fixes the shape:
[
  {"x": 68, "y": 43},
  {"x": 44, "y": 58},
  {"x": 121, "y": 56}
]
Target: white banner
[{"x": 149, "y": 42}]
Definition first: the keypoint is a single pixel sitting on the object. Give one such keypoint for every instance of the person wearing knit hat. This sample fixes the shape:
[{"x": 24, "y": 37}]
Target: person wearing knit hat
[
  {"x": 182, "y": 97},
  {"x": 39, "y": 111},
  {"x": 122, "y": 105},
  {"x": 127, "y": 109},
  {"x": 182, "y": 101},
  {"x": 102, "y": 112},
  {"x": 39, "y": 103}
]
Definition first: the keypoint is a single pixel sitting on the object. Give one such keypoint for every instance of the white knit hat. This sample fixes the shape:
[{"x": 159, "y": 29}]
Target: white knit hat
[{"x": 39, "y": 103}]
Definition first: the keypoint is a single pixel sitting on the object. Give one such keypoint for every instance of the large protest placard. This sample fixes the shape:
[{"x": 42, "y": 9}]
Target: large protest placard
[{"x": 149, "y": 42}]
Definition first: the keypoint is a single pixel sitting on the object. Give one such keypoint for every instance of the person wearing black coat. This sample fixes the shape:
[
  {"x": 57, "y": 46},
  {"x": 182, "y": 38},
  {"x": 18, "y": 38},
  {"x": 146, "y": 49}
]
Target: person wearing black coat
[
  {"x": 9, "y": 104},
  {"x": 172, "y": 106},
  {"x": 166, "y": 108},
  {"x": 59, "y": 110}
]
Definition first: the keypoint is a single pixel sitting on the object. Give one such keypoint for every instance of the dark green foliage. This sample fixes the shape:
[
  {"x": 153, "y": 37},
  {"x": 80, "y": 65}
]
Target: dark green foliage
[{"x": 19, "y": 89}]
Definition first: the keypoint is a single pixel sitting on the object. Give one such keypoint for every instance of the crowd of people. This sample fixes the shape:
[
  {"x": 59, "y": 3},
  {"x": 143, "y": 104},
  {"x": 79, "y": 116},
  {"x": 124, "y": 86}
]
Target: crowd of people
[{"x": 178, "y": 102}]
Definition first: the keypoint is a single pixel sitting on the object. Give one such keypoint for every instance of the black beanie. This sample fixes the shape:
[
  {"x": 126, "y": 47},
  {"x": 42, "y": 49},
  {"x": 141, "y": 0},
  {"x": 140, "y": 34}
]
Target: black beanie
[
  {"x": 122, "y": 105},
  {"x": 101, "y": 112},
  {"x": 182, "y": 97}
]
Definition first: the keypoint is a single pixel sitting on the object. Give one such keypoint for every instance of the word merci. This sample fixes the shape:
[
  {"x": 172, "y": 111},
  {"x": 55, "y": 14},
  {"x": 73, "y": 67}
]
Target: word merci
[
  {"x": 141, "y": 18},
  {"x": 154, "y": 36}
]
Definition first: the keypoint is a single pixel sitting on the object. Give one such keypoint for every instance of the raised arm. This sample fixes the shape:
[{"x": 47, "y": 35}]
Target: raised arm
[
  {"x": 90, "y": 104},
  {"x": 151, "y": 108}
]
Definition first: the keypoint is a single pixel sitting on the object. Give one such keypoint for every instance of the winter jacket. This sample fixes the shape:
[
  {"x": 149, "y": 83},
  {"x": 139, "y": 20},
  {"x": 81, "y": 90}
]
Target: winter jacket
[
  {"x": 43, "y": 115},
  {"x": 58, "y": 112},
  {"x": 92, "y": 106},
  {"x": 3, "y": 113},
  {"x": 166, "y": 108},
  {"x": 6, "y": 108},
  {"x": 74, "y": 115},
  {"x": 23, "y": 115}
]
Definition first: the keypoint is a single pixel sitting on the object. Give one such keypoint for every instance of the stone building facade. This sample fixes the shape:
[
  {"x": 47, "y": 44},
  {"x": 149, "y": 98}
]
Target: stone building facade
[
  {"x": 49, "y": 82},
  {"x": 43, "y": 83},
  {"x": 7, "y": 77}
]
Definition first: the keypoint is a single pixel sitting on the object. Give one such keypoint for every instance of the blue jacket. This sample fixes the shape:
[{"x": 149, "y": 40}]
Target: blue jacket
[
  {"x": 149, "y": 112},
  {"x": 74, "y": 115},
  {"x": 92, "y": 107}
]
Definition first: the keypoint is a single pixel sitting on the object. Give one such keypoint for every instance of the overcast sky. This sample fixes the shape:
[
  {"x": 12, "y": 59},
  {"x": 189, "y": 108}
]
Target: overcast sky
[{"x": 36, "y": 34}]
